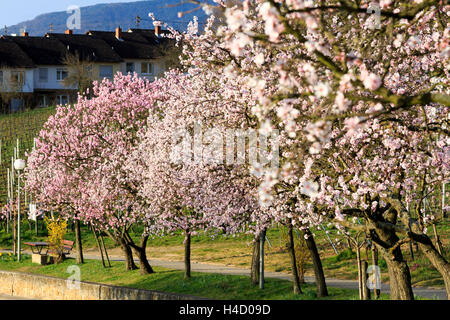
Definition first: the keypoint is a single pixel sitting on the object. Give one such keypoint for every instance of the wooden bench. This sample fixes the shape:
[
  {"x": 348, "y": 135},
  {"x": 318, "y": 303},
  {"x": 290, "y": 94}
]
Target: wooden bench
[{"x": 68, "y": 246}]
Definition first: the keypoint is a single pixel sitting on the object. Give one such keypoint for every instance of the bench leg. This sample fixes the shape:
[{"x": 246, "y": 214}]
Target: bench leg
[{"x": 39, "y": 258}]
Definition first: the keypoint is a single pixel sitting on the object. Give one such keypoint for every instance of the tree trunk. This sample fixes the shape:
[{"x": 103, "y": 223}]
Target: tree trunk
[
  {"x": 399, "y": 280},
  {"x": 411, "y": 250},
  {"x": 365, "y": 288},
  {"x": 349, "y": 245},
  {"x": 319, "y": 275},
  {"x": 438, "y": 241},
  {"x": 291, "y": 249},
  {"x": 79, "y": 256},
  {"x": 254, "y": 271},
  {"x": 187, "y": 254},
  {"x": 144, "y": 265},
  {"x": 399, "y": 275},
  {"x": 438, "y": 262},
  {"x": 128, "y": 254}
]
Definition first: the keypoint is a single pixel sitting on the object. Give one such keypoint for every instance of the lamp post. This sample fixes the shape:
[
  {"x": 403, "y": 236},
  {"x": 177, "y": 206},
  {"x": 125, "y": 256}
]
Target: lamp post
[{"x": 19, "y": 165}]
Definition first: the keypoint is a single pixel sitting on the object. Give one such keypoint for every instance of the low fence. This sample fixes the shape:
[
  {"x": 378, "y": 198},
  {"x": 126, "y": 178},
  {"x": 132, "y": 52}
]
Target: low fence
[{"x": 28, "y": 285}]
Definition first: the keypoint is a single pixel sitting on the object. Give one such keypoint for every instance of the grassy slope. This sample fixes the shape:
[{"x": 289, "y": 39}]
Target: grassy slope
[
  {"x": 236, "y": 251},
  {"x": 207, "y": 285},
  {"x": 23, "y": 126}
]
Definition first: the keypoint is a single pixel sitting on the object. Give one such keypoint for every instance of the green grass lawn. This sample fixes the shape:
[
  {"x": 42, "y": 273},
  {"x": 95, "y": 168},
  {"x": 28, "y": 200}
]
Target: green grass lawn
[
  {"x": 236, "y": 251},
  {"x": 207, "y": 285}
]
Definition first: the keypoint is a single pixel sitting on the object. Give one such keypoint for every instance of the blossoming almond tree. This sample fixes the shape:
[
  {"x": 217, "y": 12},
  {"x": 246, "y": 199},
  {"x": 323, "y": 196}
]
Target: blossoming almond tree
[
  {"x": 338, "y": 64},
  {"x": 186, "y": 184},
  {"x": 205, "y": 52},
  {"x": 382, "y": 175},
  {"x": 79, "y": 158}
]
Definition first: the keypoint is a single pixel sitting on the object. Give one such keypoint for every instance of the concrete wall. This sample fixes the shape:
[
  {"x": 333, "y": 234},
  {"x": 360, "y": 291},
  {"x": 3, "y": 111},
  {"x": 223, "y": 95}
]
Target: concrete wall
[{"x": 50, "y": 288}]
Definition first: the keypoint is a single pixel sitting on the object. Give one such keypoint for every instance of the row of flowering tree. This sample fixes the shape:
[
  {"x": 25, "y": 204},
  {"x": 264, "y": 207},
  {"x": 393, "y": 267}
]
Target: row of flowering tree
[
  {"x": 356, "y": 95},
  {"x": 359, "y": 91},
  {"x": 77, "y": 165},
  {"x": 109, "y": 161}
]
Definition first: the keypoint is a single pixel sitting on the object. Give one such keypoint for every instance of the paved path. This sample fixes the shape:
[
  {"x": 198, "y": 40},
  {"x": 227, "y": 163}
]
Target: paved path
[{"x": 430, "y": 293}]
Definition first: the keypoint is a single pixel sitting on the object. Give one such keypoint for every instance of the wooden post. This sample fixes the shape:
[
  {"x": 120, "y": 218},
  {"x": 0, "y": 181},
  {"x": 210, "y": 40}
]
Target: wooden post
[
  {"x": 358, "y": 262},
  {"x": 104, "y": 249},
  {"x": 98, "y": 245},
  {"x": 376, "y": 291}
]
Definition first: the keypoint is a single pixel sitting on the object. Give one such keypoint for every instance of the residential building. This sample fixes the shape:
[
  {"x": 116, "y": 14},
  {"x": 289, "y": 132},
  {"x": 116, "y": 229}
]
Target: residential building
[
  {"x": 34, "y": 70},
  {"x": 16, "y": 74},
  {"x": 141, "y": 50},
  {"x": 48, "y": 72}
]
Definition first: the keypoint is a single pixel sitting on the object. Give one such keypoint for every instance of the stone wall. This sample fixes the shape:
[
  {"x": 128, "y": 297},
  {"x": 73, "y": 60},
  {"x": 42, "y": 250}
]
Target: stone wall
[{"x": 50, "y": 288}]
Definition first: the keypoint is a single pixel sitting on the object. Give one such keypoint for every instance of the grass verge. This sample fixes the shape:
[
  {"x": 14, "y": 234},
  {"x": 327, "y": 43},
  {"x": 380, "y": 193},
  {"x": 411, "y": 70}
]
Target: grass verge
[{"x": 207, "y": 285}]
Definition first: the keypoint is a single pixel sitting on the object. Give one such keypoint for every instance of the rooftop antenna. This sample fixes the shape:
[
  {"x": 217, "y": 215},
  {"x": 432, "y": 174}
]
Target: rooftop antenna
[{"x": 138, "y": 21}]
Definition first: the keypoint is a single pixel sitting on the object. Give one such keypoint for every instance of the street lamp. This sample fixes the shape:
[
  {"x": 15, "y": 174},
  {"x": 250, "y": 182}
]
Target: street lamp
[{"x": 19, "y": 165}]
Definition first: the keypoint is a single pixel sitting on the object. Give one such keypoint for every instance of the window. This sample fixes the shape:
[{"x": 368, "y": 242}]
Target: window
[
  {"x": 1, "y": 77},
  {"x": 146, "y": 68},
  {"x": 42, "y": 100},
  {"x": 106, "y": 71},
  {"x": 130, "y": 67},
  {"x": 17, "y": 78},
  {"x": 61, "y": 74},
  {"x": 43, "y": 74},
  {"x": 62, "y": 99}
]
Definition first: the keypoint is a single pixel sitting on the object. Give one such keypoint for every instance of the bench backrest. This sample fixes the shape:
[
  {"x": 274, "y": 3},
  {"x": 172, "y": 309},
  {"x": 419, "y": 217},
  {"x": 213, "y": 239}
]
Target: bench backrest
[{"x": 68, "y": 243}]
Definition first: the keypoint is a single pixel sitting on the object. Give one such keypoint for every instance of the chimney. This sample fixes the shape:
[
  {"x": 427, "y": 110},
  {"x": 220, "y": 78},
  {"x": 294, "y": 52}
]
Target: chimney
[
  {"x": 157, "y": 25},
  {"x": 118, "y": 32},
  {"x": 24, "y": 34},
  {"x": 68, "y": 31}
]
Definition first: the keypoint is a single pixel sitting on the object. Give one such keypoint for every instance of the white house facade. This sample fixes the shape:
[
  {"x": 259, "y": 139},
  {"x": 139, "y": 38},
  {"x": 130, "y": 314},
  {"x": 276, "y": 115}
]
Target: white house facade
[{"x": 34, "y": 67}]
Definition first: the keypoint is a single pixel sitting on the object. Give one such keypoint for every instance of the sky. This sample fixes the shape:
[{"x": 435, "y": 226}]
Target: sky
[{"x": 15, "y": 11}]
